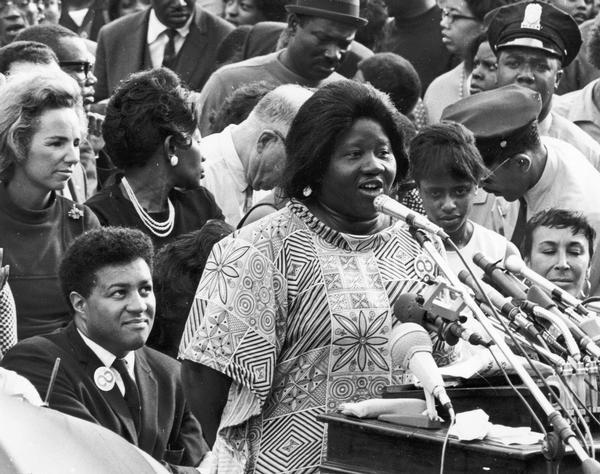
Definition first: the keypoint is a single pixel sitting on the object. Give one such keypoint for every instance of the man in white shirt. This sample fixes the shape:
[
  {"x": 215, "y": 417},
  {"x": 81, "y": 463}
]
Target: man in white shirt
[
  {"x": 174, "y": 33},
  {"x": 542, "y": 172},
  {"x": 245, "y": 161}
]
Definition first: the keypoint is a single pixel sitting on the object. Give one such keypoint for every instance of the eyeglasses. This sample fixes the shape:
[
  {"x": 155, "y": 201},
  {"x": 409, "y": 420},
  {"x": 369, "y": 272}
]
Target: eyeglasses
[
  {"x": 452, "y": 17},
  {"x": 496, "y": 168},
  {"x": 78, "y": 67}
]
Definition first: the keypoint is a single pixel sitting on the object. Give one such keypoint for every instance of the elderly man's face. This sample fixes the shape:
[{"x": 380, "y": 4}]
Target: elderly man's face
[
  {"x": 76, "y": 60},
  {"x": 11, "y": 22},
  {"x": 173, "y": 13}
]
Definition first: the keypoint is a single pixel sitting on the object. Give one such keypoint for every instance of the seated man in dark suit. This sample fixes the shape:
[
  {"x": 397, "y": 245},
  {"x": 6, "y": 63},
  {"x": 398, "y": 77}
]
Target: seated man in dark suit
[
  {"x": 106, "y": 374},
  {"x": 173, "y": 33}
]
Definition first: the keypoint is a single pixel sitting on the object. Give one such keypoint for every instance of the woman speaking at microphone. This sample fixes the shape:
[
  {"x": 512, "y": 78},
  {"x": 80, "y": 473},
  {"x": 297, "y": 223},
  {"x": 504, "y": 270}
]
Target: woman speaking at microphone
[{"x": 293, "y": 313}]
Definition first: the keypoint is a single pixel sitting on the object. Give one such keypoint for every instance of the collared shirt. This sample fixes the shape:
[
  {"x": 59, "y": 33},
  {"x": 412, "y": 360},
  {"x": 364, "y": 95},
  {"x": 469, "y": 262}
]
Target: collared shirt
[
  {"x": 107, "y": 358},
  {"x": 225, "y": 176},
  {"x": 157, "y": 37},
  {"x": 579, "y": 107},
  {"x": 556, "y": 126}
]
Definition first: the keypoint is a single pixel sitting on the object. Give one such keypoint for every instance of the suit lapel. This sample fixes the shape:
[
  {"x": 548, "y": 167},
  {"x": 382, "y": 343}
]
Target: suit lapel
[
  {"x": 113, "y": 397},
  {"x": 148, "y": 389},
  {"x": 192, "y": 51},
  {"x": 131, "y": 53}
]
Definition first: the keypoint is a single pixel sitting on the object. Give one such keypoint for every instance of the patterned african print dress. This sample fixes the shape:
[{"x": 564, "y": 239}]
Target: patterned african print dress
[{"x": 299, "y": 316}]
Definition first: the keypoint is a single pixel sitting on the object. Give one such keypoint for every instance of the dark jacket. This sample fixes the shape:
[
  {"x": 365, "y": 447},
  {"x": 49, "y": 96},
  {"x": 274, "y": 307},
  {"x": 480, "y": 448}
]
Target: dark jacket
[{"x": 169, "y": 432}]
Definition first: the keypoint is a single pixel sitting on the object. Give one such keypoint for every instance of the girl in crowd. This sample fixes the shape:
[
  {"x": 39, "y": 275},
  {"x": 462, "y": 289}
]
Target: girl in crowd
[
  {"x": 447, "y": 168},
  {"x": 42, "y": 123},
  {"x": 293, "y": 314},
  {"x": 151, "y": 134}
]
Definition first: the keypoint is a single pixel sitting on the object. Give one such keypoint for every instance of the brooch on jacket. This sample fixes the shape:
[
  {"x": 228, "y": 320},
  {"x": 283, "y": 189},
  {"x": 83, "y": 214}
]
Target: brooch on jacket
[{"x": 75, "y": 212}]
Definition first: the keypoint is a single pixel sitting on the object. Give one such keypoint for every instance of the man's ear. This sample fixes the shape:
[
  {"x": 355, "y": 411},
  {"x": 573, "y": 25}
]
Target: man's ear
[
  {"x": 559, "y": 75},
  {"x": 263, "y": 139},
  {"x": 78, "y": 303},
  {"x": 523, "y": 161},
  {"x": 293, "y": 24}
]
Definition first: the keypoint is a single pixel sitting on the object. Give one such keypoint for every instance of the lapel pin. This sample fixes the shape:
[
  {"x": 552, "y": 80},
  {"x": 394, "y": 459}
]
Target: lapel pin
[{"x": 104, "y": 379}]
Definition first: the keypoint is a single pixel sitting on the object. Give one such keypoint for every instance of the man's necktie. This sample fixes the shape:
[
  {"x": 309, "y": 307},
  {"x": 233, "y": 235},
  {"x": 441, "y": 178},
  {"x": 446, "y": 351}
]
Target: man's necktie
[
  {"x": 170, "y": 56},
  {"x": 132, "y": 395},
  {"x": 519, "y": 232}
]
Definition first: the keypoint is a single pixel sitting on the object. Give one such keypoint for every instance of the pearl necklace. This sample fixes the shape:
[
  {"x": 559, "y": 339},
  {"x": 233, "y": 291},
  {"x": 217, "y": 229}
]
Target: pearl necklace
[{"x": 160, "y": 229}]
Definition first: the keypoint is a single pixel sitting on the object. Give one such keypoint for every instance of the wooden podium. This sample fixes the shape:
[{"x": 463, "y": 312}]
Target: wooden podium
[{"x": 357, "y": 446}]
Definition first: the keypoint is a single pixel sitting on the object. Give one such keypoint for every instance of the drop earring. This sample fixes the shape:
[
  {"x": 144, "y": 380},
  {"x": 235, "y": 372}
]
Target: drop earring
[
  {"x": 174, "y": 159},
  {"x": 307, "y": 191}
]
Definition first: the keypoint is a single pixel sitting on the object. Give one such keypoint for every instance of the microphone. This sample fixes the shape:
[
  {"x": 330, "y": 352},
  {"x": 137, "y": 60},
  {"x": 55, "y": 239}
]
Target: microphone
[
  {"x": 502, "y": 303},
  {"x": 537, "y": 296},
  {"x": 390, "y": 207},
  {"x": 515, "y": 265},
  {"x": 412, "y": 350},
  {"x": 497, "y": 278},
  {"x": 408, "y": 309}
]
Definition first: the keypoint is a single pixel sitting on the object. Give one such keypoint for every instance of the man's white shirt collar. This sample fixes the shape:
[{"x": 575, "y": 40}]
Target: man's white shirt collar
[
  {"x": 107, "y": 357},
  {"x": 156, "y": 28}
]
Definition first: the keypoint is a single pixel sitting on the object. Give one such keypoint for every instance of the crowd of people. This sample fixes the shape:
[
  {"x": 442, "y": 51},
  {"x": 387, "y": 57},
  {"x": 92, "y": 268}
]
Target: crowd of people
[{"x": 187, "y": 190}]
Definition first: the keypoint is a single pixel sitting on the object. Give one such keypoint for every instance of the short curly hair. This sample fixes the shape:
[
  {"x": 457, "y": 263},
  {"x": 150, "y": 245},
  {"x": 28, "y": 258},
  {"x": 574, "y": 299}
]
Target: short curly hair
[
  {"x": 24, "y": 98},
  {"x": 97, "y": 249},
  {"x": 323, "y": 118},
  {"x": 144, "y": 110},
  {"x": 445, "y": 149}
]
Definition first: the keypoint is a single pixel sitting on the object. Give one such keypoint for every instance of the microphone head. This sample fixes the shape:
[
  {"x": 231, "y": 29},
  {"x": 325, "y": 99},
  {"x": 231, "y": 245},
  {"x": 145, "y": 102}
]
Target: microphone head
[
  {"x": 406, "y": 340},
  {"x": 514, "y": 264},
  {"x": 380, "y": 201}
]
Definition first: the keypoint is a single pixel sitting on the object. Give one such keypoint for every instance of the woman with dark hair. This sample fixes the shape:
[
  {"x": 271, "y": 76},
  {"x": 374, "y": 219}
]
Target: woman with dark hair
[
  {"x": 177, "y": 270},
  {"x": 151, "y": 134},
  {"x": 292, "y": 315},
  {"x": 42, "y": 123},
  {"x": 559, "y": 245}
]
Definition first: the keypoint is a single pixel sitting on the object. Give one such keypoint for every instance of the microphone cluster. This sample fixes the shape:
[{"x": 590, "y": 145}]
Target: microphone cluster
[{"x": 541, "y": 316}]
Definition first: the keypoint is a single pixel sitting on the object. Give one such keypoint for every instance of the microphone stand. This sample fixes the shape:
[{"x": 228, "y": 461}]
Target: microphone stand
[{"x": 555, "y": 419}]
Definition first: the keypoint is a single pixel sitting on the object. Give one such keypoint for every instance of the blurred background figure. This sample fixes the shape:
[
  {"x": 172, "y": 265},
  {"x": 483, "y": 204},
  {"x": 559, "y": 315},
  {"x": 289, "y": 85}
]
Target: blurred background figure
[
  {"x": 12, "y": 21},
  {"x": 481, "y": 60},
  {"x": 250, "y": 12},
  {"x": 578, "y": 9},
  {"x": 118, "y": 8},
  {"x": 178, "y": 267},
  {"x": 376, "y": 12}
]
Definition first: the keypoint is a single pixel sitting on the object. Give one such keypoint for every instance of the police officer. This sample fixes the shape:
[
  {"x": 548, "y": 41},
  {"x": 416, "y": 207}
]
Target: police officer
[{"x": 533, "y": 42}]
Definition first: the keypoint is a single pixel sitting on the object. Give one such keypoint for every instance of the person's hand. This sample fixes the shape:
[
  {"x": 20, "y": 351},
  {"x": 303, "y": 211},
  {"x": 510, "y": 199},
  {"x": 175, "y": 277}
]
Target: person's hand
[
  {"x": 95, "y": 131},
  {"x": 4, "y": 270}
]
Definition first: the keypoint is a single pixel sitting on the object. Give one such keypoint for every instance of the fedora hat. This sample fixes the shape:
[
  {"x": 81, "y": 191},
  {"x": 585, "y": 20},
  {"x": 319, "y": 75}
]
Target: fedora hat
[{"x": 344, "y": 11}]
